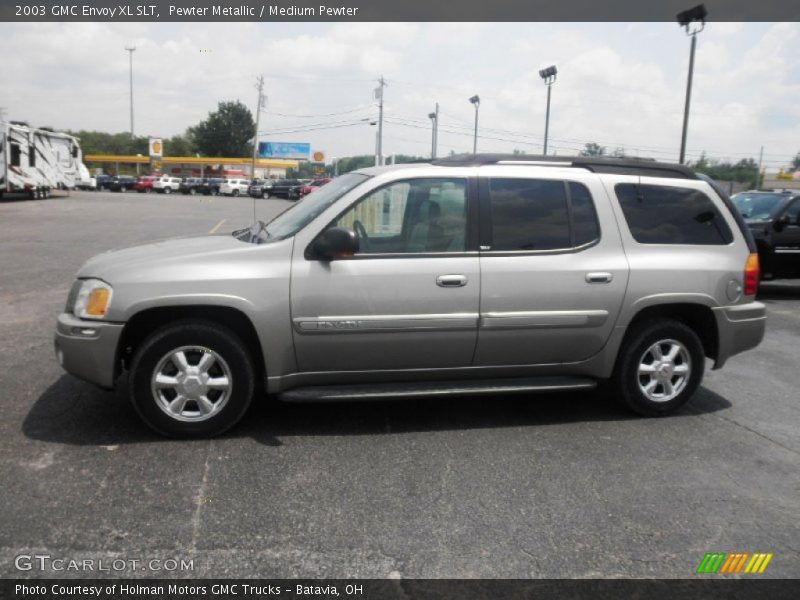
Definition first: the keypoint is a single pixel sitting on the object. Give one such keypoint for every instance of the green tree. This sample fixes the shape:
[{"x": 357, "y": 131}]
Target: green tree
[
  {"x": 796, "y": 162},
  {"x": 180, "y": 145},
  {"x": 228, "y": 131},
  {"x": 593, "y": 149}
]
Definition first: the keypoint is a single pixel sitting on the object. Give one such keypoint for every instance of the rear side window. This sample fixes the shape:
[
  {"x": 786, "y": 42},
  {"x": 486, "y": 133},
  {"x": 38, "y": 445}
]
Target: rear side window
[
  {"x": 670, "y": 215},
  {"x": 15, "y": 155},
  {"x": 535, "y": 214}
]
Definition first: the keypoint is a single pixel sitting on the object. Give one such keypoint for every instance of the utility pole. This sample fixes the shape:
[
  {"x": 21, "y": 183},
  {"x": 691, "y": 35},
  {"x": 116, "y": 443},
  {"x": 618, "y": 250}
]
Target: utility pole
[
  {"x": 130, "y": 50},
  {"x": 379, "y": 96},
  {"x": 434, "y": 117},
  {"x": 259, "y": 104},
  {"x": 760, "y": 162},
  {"x": 548, "y": 75}
]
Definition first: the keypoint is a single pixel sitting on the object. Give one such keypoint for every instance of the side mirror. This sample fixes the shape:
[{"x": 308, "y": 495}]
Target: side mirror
[{"x": 333, "y": 243}]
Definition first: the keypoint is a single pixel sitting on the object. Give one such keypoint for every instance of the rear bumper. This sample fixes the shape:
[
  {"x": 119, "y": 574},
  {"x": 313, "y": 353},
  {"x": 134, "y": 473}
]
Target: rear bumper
[
  {"x": 88, "y": 349},
  {"x": 740, "y": 328}
]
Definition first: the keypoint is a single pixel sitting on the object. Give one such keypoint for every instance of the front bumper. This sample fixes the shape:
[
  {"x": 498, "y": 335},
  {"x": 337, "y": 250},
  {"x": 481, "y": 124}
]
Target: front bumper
[
  {"x": 740, "y": 328},
  {"x": 88, "y": 349}
]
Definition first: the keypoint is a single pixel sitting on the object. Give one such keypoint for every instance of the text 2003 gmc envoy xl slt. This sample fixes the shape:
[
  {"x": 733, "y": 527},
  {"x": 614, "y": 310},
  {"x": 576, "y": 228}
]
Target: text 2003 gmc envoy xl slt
[{"x": 472, "y": 275}]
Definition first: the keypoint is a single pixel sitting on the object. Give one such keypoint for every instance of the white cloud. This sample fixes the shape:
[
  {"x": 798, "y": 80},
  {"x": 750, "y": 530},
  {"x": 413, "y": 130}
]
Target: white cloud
[{"x": 618, "y": 84}]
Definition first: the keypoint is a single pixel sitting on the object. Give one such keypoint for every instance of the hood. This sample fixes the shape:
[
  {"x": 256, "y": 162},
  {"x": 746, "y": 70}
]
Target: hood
[{"x": 137, "y": 261}]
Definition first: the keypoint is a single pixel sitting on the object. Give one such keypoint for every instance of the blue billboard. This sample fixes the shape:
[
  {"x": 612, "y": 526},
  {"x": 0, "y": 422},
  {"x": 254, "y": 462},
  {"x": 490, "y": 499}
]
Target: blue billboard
[{"x": 295, "y": 150}]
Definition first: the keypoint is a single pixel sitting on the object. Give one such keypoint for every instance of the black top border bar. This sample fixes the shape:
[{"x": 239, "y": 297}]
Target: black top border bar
[
  {"x": 391, "y": 10},
  {"x": 619, "y": 166}
]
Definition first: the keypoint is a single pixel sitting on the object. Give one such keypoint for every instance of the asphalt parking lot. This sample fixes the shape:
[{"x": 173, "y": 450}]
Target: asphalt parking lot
[{"x": 558, "y": 486}]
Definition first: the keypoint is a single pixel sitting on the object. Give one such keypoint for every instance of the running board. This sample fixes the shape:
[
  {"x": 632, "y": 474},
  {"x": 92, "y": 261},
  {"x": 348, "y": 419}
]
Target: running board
[{"x": 434, "y": 389}]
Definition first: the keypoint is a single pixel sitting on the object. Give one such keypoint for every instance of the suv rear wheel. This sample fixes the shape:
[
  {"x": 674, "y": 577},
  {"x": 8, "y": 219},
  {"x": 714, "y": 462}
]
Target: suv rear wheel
[
  {"x": 192, "y": 379},
  {"x": 660, "y": 367}
]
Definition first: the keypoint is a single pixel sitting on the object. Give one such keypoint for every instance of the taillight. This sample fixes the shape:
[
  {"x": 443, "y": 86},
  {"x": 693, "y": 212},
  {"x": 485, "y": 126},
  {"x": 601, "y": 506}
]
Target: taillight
[{"x": 751, "y": 273}]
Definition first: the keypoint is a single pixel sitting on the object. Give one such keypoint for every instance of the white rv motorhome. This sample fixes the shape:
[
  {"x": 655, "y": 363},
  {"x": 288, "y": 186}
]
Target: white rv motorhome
[{"x": 37, "y": 161}]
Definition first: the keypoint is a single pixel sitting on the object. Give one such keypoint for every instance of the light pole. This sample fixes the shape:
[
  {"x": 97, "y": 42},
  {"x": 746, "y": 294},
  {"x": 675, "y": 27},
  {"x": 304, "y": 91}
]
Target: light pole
[
  {"x": 379, "y": 97},
  {"x": 548, "y": 75},
  {"x": 434, "y": 117},
  {"x": 130, "y": 50},
  {"x": 686, "y": 19},
  {"x": 476, "y": 102}
]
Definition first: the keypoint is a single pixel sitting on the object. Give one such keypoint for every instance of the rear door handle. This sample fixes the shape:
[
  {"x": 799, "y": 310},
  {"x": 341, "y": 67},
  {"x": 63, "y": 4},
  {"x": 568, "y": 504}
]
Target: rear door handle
[
  {"x": 451, "y": 280},
  {"x": 599, "y": 277}
]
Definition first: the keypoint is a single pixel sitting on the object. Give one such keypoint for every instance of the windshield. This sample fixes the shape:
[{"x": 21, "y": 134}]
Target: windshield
[
  {"x": 758, "y": 207},
  {"x": 301, "y": 214}
]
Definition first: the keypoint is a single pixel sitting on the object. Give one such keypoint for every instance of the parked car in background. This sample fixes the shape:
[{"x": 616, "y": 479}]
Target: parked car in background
[
  {"x": 166, "y": 184},
  {"x": 303, "y": 190},
  {"x": 210, "y": 186},
  {"x": 102, "y": 182},
  {"x": 190, "y": 185},
  {"x": 234, "y": 187},
  {"x": 774, "y": 221},
  {"x": 282, "y": 187},
  {"x": 476, "y": 274},
  {"x": 123, "y": 183},
  {"x": 259, "y": 188},
  {"x": 144, "y": 184}
]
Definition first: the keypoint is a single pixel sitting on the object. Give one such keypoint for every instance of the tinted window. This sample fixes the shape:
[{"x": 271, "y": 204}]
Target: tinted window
[
  {"x": 669, "y": 215},
  {"x": 793, "y": 212},
  {"x": 32, "y": 156},
  {"x": 528, "y": 214},
  {"x": 584, "y": 218}
]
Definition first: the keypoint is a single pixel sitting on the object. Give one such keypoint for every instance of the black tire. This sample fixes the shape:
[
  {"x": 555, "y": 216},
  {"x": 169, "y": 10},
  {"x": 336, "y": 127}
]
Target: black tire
[
  {"x": 265, "y": 195},
  {"x": 627, "y": 381},
  {"x": 199, "y": 333},
  {"x": 235, "y": 193},
  {"x": 167, "y": 190}
]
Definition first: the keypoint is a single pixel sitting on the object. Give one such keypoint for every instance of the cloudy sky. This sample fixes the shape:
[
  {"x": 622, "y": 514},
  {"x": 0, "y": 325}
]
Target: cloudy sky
[{"x": 620, "y": 85}]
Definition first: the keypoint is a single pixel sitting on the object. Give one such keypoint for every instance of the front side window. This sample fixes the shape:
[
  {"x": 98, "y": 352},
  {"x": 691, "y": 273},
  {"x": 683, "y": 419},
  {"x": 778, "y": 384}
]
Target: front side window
[
  {"x": 793, "y": 212},
  {"x": 536, "y": 214},
  {"x": 410, "y": 217},
  {"x": 670, "y": 215}
]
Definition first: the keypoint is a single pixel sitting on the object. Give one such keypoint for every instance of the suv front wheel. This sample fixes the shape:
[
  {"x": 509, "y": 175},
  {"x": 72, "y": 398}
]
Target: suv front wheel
[
  {"x": 660, "y": 367},
  {"x": 192, "y": 379}
]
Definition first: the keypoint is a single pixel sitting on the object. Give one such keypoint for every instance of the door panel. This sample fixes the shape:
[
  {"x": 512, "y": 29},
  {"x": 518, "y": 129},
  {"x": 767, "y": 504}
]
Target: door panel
[
  {"x": 408, "y": 300},
  {"x": 552, "y": 305}
]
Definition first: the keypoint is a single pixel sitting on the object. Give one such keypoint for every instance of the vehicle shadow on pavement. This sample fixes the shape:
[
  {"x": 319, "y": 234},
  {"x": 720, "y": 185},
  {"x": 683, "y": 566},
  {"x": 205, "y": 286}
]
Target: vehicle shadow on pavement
[
  {"x": 779, "y": 290},
  {"x": 77, "y": 413}
]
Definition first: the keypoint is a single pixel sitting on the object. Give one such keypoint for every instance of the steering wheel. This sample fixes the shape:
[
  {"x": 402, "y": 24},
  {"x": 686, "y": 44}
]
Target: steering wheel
[{"x": 361, "y": 232}]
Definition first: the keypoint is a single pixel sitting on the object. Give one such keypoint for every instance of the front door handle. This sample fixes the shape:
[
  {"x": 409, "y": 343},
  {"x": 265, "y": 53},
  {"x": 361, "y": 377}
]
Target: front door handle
[
  {"x": 599, "y": 277},
  {"x": 451, "y": 280}
]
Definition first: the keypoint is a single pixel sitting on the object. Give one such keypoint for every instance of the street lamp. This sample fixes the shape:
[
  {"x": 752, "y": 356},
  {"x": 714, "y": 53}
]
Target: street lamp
[
  {"x": 434, "y": 117},
  {"x": 694, "y": 21},
  {"x": 476, "y": 101},
  {"x": 548, "y": 75}
]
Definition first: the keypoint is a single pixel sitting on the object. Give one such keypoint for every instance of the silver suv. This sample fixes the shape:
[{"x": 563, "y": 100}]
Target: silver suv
[{"x": 471, "y": 275}]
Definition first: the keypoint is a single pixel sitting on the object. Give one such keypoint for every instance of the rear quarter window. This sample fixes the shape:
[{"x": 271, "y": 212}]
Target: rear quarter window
[{"x": 658, "y": 214}]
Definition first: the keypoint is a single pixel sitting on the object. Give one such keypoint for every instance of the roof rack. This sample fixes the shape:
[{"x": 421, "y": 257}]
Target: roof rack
[{"x": 621, "y": 166}]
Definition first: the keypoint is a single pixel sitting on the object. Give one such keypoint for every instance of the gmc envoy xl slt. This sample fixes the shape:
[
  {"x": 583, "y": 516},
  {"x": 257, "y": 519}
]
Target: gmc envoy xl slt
[{"x": 472, "y": 275}]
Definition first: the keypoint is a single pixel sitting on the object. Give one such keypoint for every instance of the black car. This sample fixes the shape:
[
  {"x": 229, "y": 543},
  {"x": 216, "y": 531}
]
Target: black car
[
  {"x": 283, "y": 187},
  {"x": 191, "y": 185},
  {"x": 209, "y": 186},
  {"x": 774, "y": 220},
  {"x": 260, "y": 188},
  {"x": 123, "y": 183},
  {"x": 103, "y": 182}
]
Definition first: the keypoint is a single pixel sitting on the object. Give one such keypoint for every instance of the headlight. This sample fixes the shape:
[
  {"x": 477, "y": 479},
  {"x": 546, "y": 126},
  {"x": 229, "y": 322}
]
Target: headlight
[{"x": 92, "y": 300}]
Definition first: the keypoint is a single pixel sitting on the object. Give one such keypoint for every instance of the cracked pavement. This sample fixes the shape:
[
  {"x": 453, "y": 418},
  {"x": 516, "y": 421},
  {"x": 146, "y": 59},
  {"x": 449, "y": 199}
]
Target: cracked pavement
[{"x": 560, "y": 486}]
